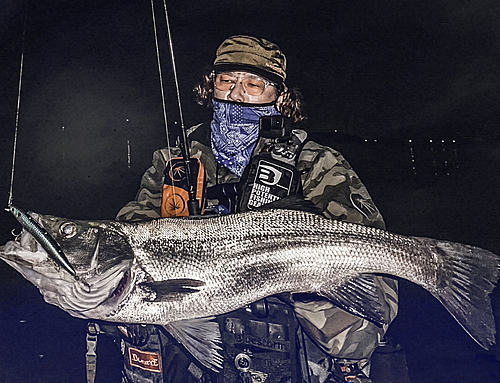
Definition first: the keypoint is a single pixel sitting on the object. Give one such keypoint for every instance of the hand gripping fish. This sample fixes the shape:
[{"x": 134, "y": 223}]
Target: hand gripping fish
[{"x": 178, "y": 272}]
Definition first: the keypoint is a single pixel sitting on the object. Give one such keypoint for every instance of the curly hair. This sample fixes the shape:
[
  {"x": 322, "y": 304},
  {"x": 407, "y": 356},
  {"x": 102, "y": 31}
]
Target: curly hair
[
  {"x": 204, "y": 91},
  {"x": 289, "y": 103}
]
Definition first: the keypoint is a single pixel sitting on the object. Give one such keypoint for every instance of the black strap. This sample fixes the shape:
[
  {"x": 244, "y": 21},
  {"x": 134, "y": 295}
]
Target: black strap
[{"x": 91, "y": 355}]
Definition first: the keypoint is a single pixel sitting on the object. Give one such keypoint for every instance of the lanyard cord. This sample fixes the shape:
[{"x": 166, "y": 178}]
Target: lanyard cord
[{"x": 17, "y": 112}]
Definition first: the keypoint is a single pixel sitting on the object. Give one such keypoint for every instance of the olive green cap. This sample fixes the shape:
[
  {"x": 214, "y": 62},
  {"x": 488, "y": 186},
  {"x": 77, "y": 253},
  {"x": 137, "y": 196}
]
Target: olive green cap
[{"x": 254, "y": 55}]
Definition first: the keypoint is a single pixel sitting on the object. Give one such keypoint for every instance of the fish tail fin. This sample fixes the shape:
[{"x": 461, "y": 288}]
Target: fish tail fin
[{"x": 464, "y": 284}]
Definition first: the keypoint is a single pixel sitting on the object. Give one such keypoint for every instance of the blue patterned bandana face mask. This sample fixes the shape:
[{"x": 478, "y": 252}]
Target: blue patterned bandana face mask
[{"x": 235, "y": 130}]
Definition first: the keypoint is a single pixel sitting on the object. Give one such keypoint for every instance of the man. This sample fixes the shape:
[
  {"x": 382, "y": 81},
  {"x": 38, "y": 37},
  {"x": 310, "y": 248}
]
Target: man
[{"x": 280, "y": 339}]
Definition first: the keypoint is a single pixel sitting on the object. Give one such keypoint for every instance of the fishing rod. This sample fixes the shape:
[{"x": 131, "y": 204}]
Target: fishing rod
[
  {"x": 27, "y": 222},
  {"x": 192, "y": 203}
]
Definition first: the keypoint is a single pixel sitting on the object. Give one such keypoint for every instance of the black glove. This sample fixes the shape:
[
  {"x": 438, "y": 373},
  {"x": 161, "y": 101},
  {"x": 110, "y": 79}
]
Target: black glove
[{"x": 138, "y": 334}]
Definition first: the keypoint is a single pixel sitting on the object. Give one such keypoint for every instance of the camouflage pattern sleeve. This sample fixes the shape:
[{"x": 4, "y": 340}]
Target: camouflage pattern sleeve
[
  {"x": 329, "y": 181},
  {"x": 147, "y": 204}
]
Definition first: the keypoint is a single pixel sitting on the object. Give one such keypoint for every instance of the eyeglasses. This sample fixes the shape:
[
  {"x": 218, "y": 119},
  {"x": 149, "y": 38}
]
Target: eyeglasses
[{"x": 253, "y": 85}]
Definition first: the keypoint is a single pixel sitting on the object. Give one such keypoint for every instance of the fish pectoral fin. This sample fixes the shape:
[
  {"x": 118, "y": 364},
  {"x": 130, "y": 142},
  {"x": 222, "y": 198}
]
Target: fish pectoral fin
[
  {"x": 173, "y": 288},
  {"x": 359, "y": 296},
  {"x": 202, "y": 338}
]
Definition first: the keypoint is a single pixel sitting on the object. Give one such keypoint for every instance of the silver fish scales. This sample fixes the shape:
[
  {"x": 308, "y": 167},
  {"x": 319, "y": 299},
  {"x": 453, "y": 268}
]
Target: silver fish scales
[
  {"x": 243, "y": 258},
  {"x": 172, "y": 271}
]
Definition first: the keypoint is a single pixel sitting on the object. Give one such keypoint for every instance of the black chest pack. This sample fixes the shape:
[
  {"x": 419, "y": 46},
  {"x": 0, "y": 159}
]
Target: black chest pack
[
  {"x": 272, "y": 174},
  {"x": 258, "y": 345}
]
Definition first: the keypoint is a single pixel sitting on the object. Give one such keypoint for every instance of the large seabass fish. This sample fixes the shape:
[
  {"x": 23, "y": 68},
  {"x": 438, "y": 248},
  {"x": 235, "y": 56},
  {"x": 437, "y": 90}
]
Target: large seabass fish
[{"x": 173, "y": 271}]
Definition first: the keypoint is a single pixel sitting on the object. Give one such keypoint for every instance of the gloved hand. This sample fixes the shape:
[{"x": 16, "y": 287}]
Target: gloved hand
[{"x": 138, "y": 334}]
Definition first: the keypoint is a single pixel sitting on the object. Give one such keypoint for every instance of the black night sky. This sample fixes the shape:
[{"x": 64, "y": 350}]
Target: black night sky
[
  {"x": 90, "y": 88},
  {"x": 374, "y": 74}
]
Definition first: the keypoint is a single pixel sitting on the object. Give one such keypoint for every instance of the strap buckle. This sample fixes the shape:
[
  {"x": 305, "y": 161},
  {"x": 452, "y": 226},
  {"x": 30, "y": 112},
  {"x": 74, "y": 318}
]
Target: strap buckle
[{"x": 91, "y": 356}]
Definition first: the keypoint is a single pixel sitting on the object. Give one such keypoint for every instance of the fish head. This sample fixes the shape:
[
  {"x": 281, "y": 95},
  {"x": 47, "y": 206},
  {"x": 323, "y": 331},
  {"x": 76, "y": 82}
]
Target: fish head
[{"x": 97, "y": 250}]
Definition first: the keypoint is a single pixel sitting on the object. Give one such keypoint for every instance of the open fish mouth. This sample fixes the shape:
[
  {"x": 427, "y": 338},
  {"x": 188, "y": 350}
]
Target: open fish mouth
[
  {"x": 93, "y": 293},
  {"x": 25, "y": 253}
]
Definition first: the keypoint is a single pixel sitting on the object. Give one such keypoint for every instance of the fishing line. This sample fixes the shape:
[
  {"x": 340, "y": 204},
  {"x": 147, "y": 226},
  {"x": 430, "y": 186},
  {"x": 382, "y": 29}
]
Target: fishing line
[
  {"x": 160, "y": 74},
  {"x": 21, "y": 66},
  {"x": 192, "y": 203},
  {"x": 27, "y": 222},
  {"x": 193, "y": 206},
  {"x": 176, "y": 81}
]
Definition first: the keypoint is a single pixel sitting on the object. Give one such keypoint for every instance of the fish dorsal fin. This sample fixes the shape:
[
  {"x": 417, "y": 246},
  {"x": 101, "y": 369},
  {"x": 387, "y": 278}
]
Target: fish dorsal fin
[
  {"x": 173, "y": 288},
  {"x": 201, "y": 337},
  {"x": 359, "y": 297}
]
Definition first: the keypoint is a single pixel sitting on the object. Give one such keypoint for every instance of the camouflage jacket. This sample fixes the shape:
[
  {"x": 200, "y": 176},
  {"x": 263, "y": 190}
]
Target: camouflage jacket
[
  {"x": 327, "y": 180},
  {"x": 332, "y": 185}
]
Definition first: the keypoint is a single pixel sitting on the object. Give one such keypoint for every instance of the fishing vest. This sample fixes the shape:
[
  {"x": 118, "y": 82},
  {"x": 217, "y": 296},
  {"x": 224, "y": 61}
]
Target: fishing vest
[
  {"x": 155, "y": 359},
  {"x": 270, "y": 176},
  {"x": 261, "y": 343}
]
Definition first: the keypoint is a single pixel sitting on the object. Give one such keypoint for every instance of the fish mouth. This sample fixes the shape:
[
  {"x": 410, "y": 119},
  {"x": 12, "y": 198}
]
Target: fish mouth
[
  {"x": 24, "y": 252},
  {"x": 94, "y": 295},
  {"x": 27, "y": 252}
]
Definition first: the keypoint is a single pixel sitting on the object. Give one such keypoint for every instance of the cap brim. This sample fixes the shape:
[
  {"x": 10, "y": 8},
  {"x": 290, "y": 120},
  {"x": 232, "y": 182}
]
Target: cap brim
[{"x": 274, "y": 78}]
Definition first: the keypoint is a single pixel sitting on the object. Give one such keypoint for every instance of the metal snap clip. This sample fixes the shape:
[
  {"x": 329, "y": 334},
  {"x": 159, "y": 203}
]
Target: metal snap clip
[{"x": 243, "y": 362}]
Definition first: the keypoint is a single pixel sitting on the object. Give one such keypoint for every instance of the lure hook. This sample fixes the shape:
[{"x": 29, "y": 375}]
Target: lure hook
[
  {"x": 43, "y": 238},
  {"x": 16, "y": 236}
]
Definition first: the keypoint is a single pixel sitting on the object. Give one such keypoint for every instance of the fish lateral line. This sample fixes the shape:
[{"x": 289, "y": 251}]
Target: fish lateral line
[{"x": 43, "y": 238}]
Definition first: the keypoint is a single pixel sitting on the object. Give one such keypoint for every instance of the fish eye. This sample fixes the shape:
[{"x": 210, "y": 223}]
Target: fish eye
[{"x": 68, "y": 229}]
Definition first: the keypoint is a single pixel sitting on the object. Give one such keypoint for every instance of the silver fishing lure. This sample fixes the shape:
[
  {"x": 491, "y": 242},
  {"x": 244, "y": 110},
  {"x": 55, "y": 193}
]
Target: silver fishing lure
[{"x": 43, "y": 238}]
